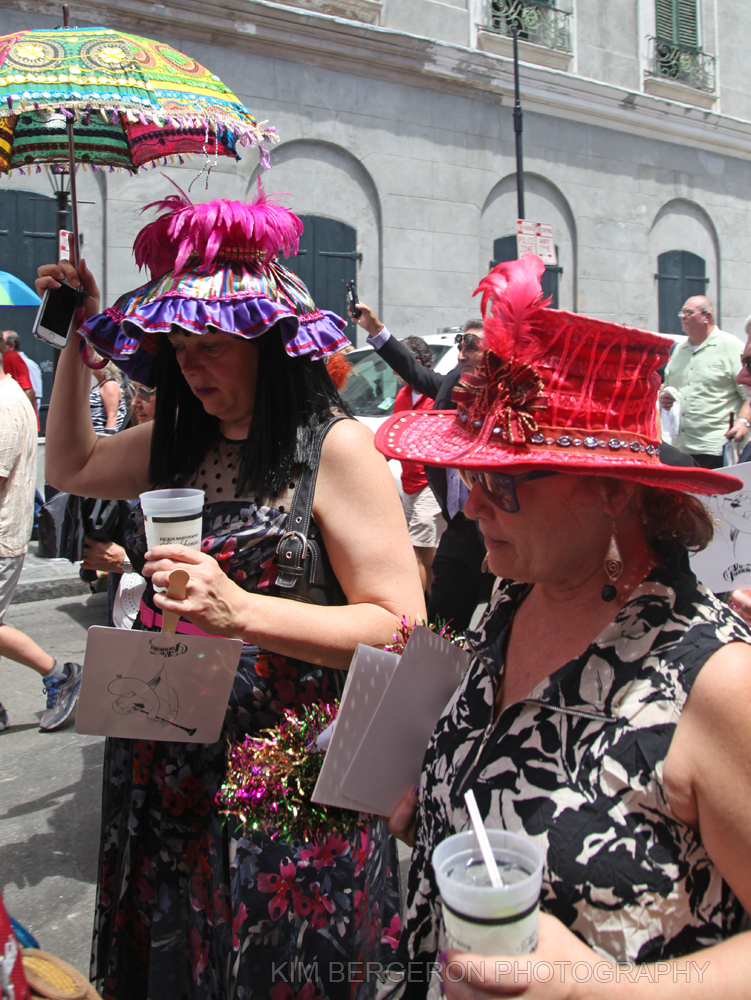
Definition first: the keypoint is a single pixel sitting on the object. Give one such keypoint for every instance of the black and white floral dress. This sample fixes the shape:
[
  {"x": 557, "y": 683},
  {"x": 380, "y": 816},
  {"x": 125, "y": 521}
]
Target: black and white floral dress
[{"x": 578, "y": 767}]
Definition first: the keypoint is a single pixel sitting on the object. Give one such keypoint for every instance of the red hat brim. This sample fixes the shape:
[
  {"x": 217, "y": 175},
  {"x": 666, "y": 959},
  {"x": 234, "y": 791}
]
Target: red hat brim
[{"x": 433, "y": 438}]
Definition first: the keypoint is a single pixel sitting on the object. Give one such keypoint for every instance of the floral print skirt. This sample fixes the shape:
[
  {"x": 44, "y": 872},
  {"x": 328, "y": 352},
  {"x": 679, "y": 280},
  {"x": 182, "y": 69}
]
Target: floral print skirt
[{"x": 188, "y": 907}]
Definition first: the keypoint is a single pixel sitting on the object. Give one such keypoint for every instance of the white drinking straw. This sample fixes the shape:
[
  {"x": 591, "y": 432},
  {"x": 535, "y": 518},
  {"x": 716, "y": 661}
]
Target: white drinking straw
[{"x": 482, "y": 838}]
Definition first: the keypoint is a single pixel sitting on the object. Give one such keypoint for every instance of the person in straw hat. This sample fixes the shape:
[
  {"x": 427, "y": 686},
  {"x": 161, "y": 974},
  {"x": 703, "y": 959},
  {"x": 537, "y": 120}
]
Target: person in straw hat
[
  {"x": 605, "y": 714},
  {"x": 190, "y": 904}
]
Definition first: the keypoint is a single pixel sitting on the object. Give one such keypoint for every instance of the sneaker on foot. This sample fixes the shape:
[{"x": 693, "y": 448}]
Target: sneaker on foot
[
  {"x": 62, "y": 695},
  {"x": 4, "y": 723}
]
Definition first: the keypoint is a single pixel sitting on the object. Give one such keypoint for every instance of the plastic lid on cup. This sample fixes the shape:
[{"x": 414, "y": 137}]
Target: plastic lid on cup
[
  {"x": 484, "y": 901},
  {"x": 173, "y": 502}
]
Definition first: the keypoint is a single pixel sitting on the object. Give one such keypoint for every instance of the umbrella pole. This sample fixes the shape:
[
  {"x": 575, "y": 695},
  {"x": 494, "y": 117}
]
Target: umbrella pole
[
  {"x": 73, "y": 199},
  {"x": 72, "y": 166}
]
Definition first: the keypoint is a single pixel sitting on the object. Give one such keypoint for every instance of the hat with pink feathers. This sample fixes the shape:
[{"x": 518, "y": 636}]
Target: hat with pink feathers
[{"x": 214, "y": 267}]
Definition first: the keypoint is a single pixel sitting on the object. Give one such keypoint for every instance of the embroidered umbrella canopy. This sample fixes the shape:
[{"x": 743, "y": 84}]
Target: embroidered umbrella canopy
[{"x": 109, "y": 99}]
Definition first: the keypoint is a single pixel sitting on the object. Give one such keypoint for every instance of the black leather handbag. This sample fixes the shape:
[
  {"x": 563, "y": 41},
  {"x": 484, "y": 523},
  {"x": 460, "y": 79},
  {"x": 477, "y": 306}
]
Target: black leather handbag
[{"x": 304, "y": 572}]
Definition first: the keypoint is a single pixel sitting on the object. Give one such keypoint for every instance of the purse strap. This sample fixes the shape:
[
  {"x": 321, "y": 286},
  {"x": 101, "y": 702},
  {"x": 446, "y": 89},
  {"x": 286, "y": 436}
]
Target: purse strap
[{"x": 293, "y": 545}]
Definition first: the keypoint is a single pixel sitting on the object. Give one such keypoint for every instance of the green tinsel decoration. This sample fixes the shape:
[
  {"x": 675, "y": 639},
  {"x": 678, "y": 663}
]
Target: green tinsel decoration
[
  {"x": 270, "y": 780},
  {"x": 441, "y": 628}
]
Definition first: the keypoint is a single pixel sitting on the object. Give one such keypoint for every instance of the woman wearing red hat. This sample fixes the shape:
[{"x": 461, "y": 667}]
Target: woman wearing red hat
[
  {"x": 190, "y": 905},
  {"x": 607, "y": 713}
]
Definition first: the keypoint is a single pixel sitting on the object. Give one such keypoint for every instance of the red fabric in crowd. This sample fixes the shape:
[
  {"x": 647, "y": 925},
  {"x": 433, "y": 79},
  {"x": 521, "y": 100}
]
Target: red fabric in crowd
[
  {"x": 413, "y": 473},
  {"x": 10, "y": 952},
  {"x": 15, "y": 365}
]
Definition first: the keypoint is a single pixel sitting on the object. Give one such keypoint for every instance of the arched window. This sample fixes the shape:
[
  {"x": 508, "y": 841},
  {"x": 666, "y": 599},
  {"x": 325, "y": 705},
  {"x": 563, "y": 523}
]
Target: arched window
[
  {"x": 504, "y": 248},
  {"x": 680, "y": 274},
  {"x": 326, "y": 260},
  {"x": 28, "y": 238}
]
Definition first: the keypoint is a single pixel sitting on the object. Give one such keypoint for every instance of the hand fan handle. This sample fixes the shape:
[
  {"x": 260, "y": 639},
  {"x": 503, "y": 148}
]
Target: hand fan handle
[{"x": 178, "y": 581}]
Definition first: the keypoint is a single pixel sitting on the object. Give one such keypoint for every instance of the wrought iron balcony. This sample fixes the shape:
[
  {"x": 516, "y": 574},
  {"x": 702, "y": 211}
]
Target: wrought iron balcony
[
  {"x": 684, "y": 64},
  {"x": 537, "y": 21}
]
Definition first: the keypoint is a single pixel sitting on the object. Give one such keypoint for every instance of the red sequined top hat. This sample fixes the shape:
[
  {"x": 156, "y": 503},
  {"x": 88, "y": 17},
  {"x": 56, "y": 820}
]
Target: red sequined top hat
[{"x": 556, "y": 391}]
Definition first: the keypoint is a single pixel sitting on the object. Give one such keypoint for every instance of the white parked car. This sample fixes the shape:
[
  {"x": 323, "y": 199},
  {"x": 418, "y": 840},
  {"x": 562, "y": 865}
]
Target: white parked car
[{"x": 371, "y": 387}]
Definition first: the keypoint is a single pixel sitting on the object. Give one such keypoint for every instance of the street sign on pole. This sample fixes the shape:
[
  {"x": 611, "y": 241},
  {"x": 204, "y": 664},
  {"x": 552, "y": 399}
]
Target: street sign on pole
[
  {"x": 537, "y": 238},
  {"x": 63, "y": 244}
]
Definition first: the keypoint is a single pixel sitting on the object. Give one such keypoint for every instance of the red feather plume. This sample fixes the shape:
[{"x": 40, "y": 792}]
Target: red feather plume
[
  {"x": 184, "y": 229},
  {"x": 514, "y": 294}
]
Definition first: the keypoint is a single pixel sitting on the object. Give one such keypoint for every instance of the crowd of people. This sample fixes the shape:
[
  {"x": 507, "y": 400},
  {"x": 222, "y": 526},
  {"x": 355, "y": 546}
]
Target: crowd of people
[{"x": 604, "y": 714}]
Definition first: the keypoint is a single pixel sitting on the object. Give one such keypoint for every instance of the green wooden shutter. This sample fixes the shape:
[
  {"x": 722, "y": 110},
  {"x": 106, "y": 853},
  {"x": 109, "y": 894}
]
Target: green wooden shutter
[
  {"x": 326, "y": 261},
  {"x": 687, "y": 28},
  {"x": 680, "y": 274},
  {"x": 504, "y": 248},
  {"x": 28, "y": 238},
  {"x": 665, "y": 16},
  {"x": 676, "y": 21}
]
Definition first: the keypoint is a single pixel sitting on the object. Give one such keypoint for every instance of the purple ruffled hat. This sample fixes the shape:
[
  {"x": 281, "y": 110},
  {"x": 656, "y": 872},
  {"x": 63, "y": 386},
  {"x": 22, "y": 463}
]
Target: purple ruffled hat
[{"x": 214, "y": 268}]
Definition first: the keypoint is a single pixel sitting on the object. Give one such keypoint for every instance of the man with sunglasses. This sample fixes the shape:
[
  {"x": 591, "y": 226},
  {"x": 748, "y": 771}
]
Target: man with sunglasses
[
  {"x": 702, "y": 371},
  {"x": 459, "y": 582}
]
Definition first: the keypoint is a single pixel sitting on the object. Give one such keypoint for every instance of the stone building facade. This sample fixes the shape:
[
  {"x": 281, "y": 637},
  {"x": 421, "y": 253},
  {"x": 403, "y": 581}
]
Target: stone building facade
[{"x": 395, "y": 119}]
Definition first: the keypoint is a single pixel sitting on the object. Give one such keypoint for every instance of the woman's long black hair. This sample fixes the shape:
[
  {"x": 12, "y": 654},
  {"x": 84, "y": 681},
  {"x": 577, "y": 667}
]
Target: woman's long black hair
[{"x": 291, "y": 395}]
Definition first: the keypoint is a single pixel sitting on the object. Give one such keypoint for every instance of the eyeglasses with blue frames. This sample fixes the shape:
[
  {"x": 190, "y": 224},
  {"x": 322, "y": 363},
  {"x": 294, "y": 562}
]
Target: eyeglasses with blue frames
[{"x": 500, "y": 489}]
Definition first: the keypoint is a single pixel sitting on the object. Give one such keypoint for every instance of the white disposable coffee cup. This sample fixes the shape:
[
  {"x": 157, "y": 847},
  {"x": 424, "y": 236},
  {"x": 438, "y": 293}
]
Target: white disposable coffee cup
[
  {"x": 173, "y": 517},
  {"x": 477, "y": 917}
]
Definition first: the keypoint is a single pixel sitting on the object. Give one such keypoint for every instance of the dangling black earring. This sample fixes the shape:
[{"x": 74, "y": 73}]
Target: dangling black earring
[{"x": 613, "y": 568}]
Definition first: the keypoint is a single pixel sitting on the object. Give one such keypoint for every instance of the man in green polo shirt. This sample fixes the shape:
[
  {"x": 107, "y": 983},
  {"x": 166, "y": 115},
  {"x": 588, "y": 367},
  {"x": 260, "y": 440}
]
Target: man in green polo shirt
[{"x": 702, "y": 370}]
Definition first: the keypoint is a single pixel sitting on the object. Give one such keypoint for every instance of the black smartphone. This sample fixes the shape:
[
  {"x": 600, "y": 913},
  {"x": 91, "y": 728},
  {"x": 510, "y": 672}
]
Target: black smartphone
[
  {"x": 57, "y": 313},
  {"x": 352, "y": 299}
]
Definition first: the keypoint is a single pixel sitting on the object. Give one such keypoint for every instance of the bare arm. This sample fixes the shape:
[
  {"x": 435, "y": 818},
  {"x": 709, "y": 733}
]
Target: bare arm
[
  {"x": 357, "y": 509},
  {"x": 708, "y": 767},
  {"x": 110, "y": 393},
  {"x": 113, "y": 468}
]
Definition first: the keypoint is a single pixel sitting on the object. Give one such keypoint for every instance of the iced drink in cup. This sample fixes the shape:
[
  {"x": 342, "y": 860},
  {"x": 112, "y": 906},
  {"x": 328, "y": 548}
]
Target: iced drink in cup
[
  {"x": 173, "y": 517},
  {"x": 477, "y": 917}
]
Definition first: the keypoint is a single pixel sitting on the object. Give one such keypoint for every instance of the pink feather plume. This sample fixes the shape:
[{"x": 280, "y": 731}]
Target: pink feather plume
[
  {"x": 184, "y": 229},
  {"x": 513, "y": 291}
]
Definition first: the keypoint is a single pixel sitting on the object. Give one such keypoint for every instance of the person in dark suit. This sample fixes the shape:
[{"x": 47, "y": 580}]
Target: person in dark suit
[{"x": 459, "y": 582}]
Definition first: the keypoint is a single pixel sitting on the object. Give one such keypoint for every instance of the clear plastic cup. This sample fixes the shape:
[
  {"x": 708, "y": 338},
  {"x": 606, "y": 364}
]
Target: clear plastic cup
[
  {"x": 477, "y": 917},
  {"x": 173, "y": 517}
]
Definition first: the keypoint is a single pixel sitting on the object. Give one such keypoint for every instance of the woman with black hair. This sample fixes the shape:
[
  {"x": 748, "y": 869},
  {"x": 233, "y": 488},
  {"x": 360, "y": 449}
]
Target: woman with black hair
[{"x": 187, "y": 906}]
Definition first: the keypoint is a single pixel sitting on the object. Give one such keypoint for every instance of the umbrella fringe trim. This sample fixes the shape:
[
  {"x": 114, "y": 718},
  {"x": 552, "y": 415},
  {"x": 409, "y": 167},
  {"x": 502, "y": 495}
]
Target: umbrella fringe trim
[{"x": 256, "y": 132}]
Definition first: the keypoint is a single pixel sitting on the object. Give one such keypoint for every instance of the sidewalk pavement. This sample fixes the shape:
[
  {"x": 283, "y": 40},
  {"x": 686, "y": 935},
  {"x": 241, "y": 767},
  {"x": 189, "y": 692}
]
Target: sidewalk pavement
[
  {"x": 50, "y": 790},
  {"x": 42, "y": 579}
]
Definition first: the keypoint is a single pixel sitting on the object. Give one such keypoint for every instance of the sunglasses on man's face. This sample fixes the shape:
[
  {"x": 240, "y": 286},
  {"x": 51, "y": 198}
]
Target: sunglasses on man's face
[
  {"x": 471, "y": 340},
  {"x": 500, "y": 489},
  {"x": 746, "y": 362}
]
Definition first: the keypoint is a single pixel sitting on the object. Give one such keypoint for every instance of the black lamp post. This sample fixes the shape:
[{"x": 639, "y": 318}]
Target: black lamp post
[
  {"x": 59, "y": 179},
  {"x": 518, "y": 129}
]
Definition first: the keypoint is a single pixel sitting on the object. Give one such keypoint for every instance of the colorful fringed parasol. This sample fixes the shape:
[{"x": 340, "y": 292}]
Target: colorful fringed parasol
[{"x": 109, "y": 99}]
